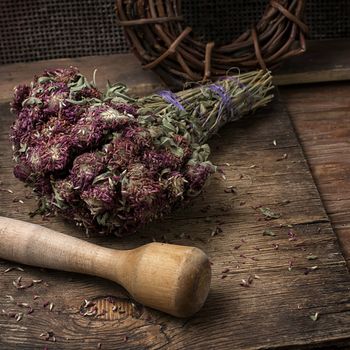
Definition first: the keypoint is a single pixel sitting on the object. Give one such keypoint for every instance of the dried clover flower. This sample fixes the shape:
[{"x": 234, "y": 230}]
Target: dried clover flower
[{"x": 111, "y": 162}]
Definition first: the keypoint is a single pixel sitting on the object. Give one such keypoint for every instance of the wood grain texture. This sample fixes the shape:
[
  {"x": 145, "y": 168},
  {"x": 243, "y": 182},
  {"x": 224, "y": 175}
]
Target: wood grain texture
[
  {"x": 323, "y": 61},
  {"x": 313, "y": 66},
  {"x": 321, "y": 116},
  {"x": 121, "y": 67},
  {"x": 171, "y": 278},
  {"x": 273, "y": 311}
]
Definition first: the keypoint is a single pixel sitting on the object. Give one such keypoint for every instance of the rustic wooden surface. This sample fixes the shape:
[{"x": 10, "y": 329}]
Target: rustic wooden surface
[
  {"x": 323, "y": 61},
  {"x": 321, "y": 116},
  {"x": 273, "y": 312},
  {"x": 125, "y": 68},
  {"x": 313, "y": 66}
]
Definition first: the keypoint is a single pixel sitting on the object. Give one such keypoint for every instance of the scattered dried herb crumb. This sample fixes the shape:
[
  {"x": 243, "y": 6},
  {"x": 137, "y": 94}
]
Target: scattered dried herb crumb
[
  {"x": 88, "y": 303},
  {"x": 205, "y": 209},
  {"x": 12, "y": 300},
  {"x": 276, "y": 246},
  {"x": 19, "y": 316},
  {"x": 314, "y": 317},
  {"x": 290, "y": 265},
  {"x": 309, "y": 269},
  {"x": 247, "y": 282},
  {"x": 269, "y": 232},
  {"x": 48, "y": 336},
  {"x": 284, "y": 156},
  {"x": 312, "y": 257},
  {"x": 292, "y": 235},
  {"x": 216, "y": 231},
  {"x": 37, "y": 281},
  {"x": 230, "y": 189},
  {"x": 269, "y": 214},
  {"x": 13, "y": 268},
  {"x": 244, "y": 283},
  {"x": 23, "y": 304}
]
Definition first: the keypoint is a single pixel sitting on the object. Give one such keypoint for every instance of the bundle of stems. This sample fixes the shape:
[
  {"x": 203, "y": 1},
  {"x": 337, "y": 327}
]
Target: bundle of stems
[
  {"x": 112, "y": 162},
  {"x": 214, "y": 105}
]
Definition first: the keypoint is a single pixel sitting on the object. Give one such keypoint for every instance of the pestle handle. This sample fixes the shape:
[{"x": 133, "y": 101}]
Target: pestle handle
[{"x": 171, "y": 278}]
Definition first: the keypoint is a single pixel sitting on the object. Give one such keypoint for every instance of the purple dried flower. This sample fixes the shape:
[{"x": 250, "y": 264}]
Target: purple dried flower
[
  {"x": 161, "y": 159},
  {"x": 122, "y": 151},
  {"x": 50, "y": 156},
  {"x": 72, "y": 113},
  {"x": 64, "y": 190},
  {"x": 175, "y": 184},
  {"x": 64, "y": 75},
  {"x": 88, "y": 92},
  {"x": 197, "y": 175},
  {"x": 125, "y": 108},
  {"x": 22, "y": 170},
  {"x": 139, "y": 135},
  {"x": 21, "y": 93},
  {"x": 42, "y": 185},
  {"x": 100, "y": 197},
  {"x": 86, "y": 167},
  {"x": 107, "y": 165}
]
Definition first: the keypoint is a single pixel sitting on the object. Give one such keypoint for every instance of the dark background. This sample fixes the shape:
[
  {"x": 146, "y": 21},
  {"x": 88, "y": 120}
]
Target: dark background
[{"x": 43, "y": 29}]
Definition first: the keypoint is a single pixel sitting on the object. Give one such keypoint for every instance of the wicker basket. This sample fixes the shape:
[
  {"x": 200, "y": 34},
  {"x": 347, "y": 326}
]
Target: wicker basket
[{"x": 163, "y": 42}]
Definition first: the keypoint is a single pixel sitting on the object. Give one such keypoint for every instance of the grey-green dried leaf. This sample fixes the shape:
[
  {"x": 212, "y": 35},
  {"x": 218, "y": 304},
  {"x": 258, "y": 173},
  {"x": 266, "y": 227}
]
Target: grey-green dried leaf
[
  {"x": 314, "y": 317},
  {"x": 269, "y": 214},
  {"x": 31, "y": 101},
  {"x": 269, "y": 232},
  {"x": 43, "y": 80}
]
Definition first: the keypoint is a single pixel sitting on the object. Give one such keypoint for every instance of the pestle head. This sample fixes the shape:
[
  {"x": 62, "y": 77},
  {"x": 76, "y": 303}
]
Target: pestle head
[{"x": 171, "y": 278}]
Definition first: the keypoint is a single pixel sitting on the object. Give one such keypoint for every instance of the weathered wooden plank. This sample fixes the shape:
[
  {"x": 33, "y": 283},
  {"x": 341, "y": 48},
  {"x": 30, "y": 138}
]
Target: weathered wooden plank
[
  {"x": 323, "y": 61},
  {"x": 321, "y": 117},
  {"x": 313, "y": 66},
  {"x": 121, "y": 67},
  {"x": 273, "y": 312}
]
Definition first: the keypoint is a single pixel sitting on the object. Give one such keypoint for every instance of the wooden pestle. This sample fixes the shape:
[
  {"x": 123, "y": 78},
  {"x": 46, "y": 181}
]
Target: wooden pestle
[{"x": 171, "y": 278}]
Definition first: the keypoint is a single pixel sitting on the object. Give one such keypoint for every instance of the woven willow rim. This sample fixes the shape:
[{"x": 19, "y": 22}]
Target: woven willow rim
[{"x": 162, "y": 41}]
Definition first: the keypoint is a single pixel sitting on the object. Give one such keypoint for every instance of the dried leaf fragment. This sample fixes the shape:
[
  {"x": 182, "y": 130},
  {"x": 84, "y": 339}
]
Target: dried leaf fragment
[
  {"x": 314, "y": 317},
  {"x": 269, "y": 232},
  {"x": 269, "y": 214}
]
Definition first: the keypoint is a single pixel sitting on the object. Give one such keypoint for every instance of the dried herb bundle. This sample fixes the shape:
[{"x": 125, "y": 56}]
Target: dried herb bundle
[{"x": 111, "y": 162}]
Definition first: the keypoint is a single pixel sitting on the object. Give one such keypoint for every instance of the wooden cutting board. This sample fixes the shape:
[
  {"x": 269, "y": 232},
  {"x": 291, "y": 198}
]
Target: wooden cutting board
[{"x": 277, "y": 282}]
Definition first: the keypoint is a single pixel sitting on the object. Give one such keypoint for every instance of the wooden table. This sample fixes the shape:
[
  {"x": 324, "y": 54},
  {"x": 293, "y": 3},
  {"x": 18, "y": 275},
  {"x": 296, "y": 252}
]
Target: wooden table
[{"x": 287, "y": 291}]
